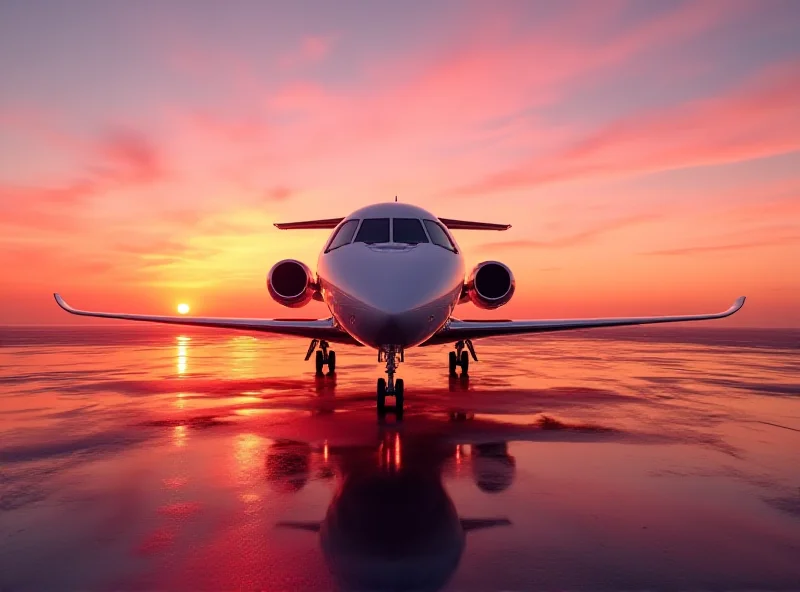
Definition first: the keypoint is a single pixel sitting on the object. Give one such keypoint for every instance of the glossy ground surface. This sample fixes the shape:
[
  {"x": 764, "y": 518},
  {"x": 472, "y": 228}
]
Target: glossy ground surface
[{"x": 149, "y": 458}]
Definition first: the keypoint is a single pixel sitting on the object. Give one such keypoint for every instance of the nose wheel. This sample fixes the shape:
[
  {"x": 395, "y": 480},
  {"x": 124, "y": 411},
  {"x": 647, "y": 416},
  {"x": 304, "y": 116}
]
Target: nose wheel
[
  {"x": 383, "y": 392},
  {"x": 323, "y": 358},
  {"x": 460, "y": 358},
  {"x": 391, "y": 387}
]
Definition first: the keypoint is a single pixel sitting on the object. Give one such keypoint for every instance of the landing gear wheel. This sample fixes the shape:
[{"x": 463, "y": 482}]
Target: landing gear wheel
[
  {"x": 319, "y": 362},
  {"x": 331, "y": 362},
  {"x": 381, "y": 397},
  {"x": 453, "y": 363},
  {"x": 398, "y": 398},
  {"x": 464, "y": 363}
]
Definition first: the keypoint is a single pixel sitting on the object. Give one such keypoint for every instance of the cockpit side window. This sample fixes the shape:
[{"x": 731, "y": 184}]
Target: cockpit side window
[
  {"x": 343, "y": 235},
  {"x": 439, "y": 236},
  {"x": 373, "y": 230},
  {"x": 408, "y": 231}
]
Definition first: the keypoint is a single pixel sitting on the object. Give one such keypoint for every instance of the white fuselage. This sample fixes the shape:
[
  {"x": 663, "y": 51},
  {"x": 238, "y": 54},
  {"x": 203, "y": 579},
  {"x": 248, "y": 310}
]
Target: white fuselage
[{"x": 389, "y": 293}]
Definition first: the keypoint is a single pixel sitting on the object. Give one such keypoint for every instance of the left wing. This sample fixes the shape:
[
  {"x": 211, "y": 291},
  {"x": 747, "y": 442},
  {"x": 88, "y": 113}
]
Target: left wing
[
  {"x": 326, "y": 329},
  {"x": 456, "y": 330}
]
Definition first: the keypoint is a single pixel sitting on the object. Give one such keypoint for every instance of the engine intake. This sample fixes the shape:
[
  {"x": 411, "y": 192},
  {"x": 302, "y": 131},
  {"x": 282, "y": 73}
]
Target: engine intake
[
  {"x": 290, "y": 283},
  {"x": 490, "y": 285}
]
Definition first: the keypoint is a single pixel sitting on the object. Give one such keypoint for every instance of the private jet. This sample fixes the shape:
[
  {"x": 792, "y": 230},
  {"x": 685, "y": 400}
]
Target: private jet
[{"x": 391, "y": 275}]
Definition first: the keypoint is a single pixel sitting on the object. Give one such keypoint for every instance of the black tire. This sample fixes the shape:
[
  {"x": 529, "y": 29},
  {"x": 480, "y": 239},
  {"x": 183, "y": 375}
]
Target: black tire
[
  {"x": 398, "y": 398},
  {"x": 319, "y": 362},
  {"x": 464, "y": 363},
  {"x": 331, "y": 362},
  {"x": 453, "y": 362},
  {"x": 381, "y": 396}
]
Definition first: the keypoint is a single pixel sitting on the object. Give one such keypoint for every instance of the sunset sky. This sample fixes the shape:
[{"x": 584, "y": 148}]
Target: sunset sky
[{"x": 647, "y": 154}]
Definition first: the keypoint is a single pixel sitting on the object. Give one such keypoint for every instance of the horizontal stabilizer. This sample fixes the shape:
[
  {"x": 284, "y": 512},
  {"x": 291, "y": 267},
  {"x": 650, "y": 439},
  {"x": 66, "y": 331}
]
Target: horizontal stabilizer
[
  {"x": 331, "y": 223},
  {"x": 308, "y": 526},
  {"x": 328, "y": 223},
  {"x": 470, "y": 524},
  {"x": 467, "y": 225}
]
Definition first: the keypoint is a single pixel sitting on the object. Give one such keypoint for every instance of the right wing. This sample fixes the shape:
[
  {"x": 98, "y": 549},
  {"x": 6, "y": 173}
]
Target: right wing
[
  {"x": 456, "y": 330},
  {"x": 326, "y": 329}
]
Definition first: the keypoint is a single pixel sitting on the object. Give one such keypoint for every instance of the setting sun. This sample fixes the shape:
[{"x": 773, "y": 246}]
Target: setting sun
[{"x": 183, "y": 308}]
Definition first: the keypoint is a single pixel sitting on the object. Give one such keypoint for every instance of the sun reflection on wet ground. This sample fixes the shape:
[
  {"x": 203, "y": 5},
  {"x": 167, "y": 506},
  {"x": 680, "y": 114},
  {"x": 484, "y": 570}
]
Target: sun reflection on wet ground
[{"x": 151, "y": 459}]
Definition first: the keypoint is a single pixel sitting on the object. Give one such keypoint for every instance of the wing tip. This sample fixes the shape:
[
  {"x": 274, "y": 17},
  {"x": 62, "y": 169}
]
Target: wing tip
[
  {"x": 738, "y": 304},
  {"x": 60, "y": 301},
  {"x": 63, "y": 304}
]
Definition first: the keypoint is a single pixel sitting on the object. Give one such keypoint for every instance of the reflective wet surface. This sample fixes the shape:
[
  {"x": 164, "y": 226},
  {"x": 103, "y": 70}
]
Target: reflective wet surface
[{"x": 141, "y": 458}]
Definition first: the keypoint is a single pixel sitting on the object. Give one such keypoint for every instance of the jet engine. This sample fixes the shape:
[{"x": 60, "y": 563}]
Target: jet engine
[
  {"x": 490, "y": 285},
  {"x": 291, "y": 283}
]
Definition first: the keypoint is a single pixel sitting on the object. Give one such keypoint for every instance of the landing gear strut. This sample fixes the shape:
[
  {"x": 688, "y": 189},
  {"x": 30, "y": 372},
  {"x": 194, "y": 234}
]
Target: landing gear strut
[
  {"x": 324, "y": 357},
  {"x": 461, "y": 358},
  {"x": 392, "y": 388}
]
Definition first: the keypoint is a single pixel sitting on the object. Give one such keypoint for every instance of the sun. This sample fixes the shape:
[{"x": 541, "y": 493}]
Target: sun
[{"x": 183, "y": 308}]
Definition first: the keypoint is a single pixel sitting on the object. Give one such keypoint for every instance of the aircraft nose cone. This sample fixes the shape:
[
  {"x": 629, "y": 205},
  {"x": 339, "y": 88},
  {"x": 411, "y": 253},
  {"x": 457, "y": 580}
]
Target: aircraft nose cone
[
  {"x": 394, "y": 296},
  {"x": 393, "y": 328},
  {"x": 400, "y": 282}
]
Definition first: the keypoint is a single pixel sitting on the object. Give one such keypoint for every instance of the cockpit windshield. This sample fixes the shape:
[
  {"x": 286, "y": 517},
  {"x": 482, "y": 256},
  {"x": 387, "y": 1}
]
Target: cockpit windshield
[
  {"x": 343, "y": 235},
  {"x": 408, "y": 231},
  {"x": 401, "y": 231},
  {"x": 373, "y": 230},
  {"x": 439, "y": 236}
]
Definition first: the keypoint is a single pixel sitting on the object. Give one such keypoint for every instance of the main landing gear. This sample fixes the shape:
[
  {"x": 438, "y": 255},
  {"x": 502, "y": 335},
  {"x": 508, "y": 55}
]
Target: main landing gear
[
  {"x": 392, "y": 388},
  {"x": 461, "y": 358},
  {"x": 324, "y": 357}
]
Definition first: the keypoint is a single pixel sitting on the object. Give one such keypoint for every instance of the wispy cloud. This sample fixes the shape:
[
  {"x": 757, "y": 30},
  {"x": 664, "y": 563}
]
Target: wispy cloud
[
  {"x": 117, "y": 160},
  {"x": 758, "y": 120},
  {"x": 278, "y": 193},
  {"x": 128, "y": 156},
  {"x": 747, "y": 245},
  {"x": 575, "y": 239},
  {"x": 311, "y": 50}
]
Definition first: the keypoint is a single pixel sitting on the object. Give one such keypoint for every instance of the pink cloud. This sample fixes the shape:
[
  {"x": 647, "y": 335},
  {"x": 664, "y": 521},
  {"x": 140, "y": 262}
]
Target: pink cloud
[
  {"x": 278, "y": 193},
  {"x": 311, "y": 50},
  {"x": 117, "y": 160},
  {"x": 757, "y": 120},
  {"x": 746, "y": 245},
  {"x": 575, "y": 239},
  {"x": 128, "y": 156}
]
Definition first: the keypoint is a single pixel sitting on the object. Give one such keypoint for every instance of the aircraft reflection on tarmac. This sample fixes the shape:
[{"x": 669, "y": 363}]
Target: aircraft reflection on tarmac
[{"x": 391, "y": 523}]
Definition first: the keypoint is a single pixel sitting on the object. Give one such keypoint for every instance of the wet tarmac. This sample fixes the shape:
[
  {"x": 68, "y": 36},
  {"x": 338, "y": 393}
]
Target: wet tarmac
[{"x": 153, "y": 459}]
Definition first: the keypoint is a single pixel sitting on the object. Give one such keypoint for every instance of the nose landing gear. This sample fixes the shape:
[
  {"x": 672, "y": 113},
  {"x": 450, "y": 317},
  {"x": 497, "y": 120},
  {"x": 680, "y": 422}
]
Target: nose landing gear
[
  {"x": 393, "y": 388},
  {"x": 461, "y": 358},
  {"x": 324, "y": 357}
]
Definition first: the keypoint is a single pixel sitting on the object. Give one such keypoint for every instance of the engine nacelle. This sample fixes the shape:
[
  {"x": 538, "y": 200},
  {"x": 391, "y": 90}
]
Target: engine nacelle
[
  {"x": 291, "y": 283},
  {"x": 490, "y": 285}
]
